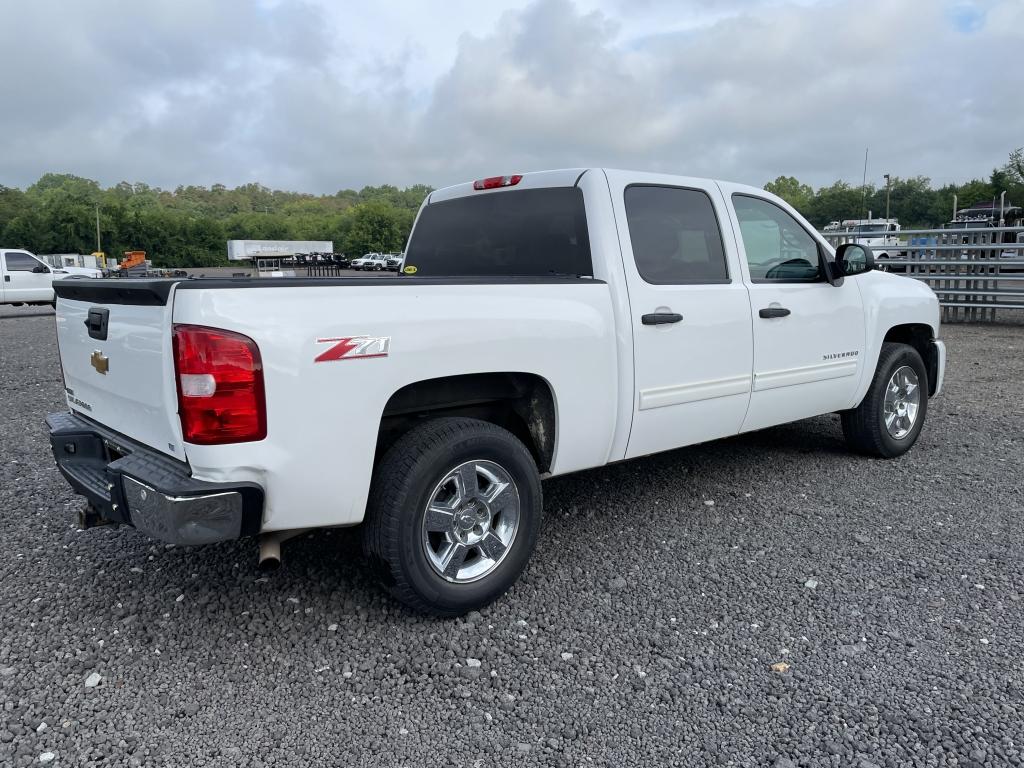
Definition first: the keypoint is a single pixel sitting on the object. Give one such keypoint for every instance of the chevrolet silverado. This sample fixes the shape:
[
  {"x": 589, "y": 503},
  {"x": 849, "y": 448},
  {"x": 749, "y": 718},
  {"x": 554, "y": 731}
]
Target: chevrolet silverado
[{"x": 545, "y": 323}]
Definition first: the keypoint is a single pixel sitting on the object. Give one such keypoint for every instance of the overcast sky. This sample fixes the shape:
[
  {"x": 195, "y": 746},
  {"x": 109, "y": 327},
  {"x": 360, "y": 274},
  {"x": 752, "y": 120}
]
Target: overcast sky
[{"x": 318, "y": 96}]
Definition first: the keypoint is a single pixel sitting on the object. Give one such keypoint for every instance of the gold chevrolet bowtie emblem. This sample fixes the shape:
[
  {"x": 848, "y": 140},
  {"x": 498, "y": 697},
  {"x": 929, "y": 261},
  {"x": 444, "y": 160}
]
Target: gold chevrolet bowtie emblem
[{"x": 100, "y": 362}]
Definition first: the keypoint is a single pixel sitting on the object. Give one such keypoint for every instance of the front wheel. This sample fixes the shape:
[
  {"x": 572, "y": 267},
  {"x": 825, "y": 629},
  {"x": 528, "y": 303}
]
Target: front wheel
[
  {"x": 453, "y": 516},
  {"x": 891, "y": 415}
]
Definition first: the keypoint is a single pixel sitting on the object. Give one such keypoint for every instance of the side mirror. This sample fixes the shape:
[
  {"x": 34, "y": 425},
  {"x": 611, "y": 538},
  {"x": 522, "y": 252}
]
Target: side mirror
[
  {"x": 40, "y": 269},
  {"x": 853, "y": 259}
]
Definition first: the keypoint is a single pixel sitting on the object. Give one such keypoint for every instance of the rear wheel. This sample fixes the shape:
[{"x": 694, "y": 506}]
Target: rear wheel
[
  {"x": 891, "y": 416},
  {"x": 453, "y": 515}
]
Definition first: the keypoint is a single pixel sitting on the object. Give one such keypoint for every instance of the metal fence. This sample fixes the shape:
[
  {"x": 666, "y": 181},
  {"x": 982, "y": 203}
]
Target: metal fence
[
  {"x": 326, "y": 269},
  {"x": 975, "y": 272}
]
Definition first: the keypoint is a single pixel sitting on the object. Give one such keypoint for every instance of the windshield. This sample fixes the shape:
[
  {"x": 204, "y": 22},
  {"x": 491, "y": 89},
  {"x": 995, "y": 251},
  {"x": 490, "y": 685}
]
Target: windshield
[{"x": 527, "y": 232}]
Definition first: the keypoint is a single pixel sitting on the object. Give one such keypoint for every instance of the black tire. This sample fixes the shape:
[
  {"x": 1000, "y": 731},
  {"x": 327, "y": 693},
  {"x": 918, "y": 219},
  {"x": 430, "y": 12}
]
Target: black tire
[
  {"x": 864, "y": 426},
  {"x": 403, "y": 484}
]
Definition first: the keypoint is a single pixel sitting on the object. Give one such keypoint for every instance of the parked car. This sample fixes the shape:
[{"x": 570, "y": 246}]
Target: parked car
[
  {"x": 26, "y": 279},
  {"x": 393, "y": 261},
  {"x": 370, "y": 262},
  {"x": 556, "y": 321}
]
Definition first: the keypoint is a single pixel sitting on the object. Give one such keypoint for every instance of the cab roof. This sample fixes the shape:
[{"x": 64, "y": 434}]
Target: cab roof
[{"x": 564, "y": 177}]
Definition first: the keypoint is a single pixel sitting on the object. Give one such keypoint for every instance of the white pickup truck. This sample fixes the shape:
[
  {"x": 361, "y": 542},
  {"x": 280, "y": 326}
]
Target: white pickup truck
[
  {"x": 546, "y": 323},
  {"x": 26, "y": 279}
]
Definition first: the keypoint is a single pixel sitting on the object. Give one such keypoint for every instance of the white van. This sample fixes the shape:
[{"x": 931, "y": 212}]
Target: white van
[{"x": 26, "y": 279}]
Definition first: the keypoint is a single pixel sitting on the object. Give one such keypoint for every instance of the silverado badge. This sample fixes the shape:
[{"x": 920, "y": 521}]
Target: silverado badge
[{"x": 100, "y": 362}]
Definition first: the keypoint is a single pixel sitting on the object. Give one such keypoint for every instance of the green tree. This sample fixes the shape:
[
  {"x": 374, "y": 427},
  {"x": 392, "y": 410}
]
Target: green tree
[
  {"x": 793, "y": 192},
  {"x": 974, "y": 192},
  {"x": 1015, "y": 165},
  {"x": 376, "y": 227},
  {"x": 910, "y": 201},
  {"x": 835, "y": 203}
]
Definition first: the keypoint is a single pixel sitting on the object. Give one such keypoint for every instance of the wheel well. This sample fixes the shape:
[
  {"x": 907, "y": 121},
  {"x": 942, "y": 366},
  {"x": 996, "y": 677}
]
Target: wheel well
[
  {"x": 522, "y": 403},
  {"x": 919, "y": 336}
]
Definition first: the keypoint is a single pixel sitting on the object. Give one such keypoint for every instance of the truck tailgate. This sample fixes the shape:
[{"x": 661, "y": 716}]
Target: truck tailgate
[{"x": 118, "y": 363}]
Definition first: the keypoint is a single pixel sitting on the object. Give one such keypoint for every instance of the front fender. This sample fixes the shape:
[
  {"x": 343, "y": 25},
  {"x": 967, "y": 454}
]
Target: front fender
[{"x": 891, "y": 300}]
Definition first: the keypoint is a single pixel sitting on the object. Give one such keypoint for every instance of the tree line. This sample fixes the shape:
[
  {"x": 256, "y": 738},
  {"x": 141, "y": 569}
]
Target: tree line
[
  {"x": 914, "y": 201},
  {"x": 190, "y": 226}
]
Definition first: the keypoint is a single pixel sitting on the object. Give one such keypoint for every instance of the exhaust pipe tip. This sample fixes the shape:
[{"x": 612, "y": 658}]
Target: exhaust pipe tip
[
  {"x": 270, "y": 553},
  {"x": 270, "y": 547},
  {"x": 269, "y": 564}
]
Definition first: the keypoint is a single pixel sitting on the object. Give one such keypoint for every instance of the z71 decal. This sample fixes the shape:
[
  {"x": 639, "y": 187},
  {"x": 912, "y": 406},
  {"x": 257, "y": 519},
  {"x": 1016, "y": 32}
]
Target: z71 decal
[{"x": 353, "y": 348}]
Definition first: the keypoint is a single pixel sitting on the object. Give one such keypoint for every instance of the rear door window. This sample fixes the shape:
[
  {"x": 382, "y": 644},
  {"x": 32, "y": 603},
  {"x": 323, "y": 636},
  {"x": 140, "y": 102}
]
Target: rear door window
[
  {"x": 526, "y": 232},
  {"x": 675, "y": 236}
]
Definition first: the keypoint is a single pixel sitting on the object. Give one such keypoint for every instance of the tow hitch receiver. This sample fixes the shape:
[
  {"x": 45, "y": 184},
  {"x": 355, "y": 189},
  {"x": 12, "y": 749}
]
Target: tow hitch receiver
[{"x": 90, "y": 517}]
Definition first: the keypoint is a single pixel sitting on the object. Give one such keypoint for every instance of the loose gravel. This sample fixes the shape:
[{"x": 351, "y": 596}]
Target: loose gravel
[{"x": 825, "y": 610}]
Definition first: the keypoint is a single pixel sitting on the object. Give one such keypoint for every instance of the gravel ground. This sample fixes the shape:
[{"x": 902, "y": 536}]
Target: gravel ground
[{"x": 767, "y": 600}]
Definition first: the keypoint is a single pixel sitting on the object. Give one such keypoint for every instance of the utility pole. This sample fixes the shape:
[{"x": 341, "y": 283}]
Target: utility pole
[
  {"x": 864, "y": 187},
  {"x": 98, "y": 248},
  {"x": 887, "y": 197}
]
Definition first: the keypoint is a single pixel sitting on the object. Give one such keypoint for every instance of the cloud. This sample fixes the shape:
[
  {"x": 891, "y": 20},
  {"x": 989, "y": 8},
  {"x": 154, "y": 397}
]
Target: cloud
[
  {"x": 294, "y": 95},
  {"x": 772, "y": 89},
  {"x": 121, "y": 90}
]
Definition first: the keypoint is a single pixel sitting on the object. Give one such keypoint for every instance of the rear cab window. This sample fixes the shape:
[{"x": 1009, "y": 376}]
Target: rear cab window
[{"x": 524, "y": 233}]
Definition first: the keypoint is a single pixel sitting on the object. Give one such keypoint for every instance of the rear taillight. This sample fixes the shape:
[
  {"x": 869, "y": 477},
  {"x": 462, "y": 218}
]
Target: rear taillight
[
  {"x": 220, "y": 386},
  {"x": 494, "y": 182}
]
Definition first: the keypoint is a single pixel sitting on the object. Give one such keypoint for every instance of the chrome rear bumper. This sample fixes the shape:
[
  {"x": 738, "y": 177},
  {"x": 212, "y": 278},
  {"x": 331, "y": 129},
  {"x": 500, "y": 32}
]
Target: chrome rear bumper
[{"x": 125, "y": 482}]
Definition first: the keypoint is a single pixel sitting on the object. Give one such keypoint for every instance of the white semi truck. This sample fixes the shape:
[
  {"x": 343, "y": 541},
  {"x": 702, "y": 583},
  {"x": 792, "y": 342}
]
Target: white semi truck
[{"x": 881, "y": 234}]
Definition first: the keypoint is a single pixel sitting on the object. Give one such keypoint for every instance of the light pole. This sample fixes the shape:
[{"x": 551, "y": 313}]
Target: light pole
[
  {"x": 887, "y": 197},
  {"x": 864, "y": 187}
]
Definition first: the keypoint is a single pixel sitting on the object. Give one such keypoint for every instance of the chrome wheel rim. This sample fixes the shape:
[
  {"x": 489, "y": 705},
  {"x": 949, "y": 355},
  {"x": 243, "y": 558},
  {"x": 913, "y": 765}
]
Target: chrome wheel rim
[
  {"x": 902, "y": 402},
  {"x": 470, "y": 521}
]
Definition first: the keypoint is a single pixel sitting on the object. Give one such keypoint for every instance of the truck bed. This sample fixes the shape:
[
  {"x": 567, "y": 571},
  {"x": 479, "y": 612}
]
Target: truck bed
[{"x": 324, "y": 414}]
